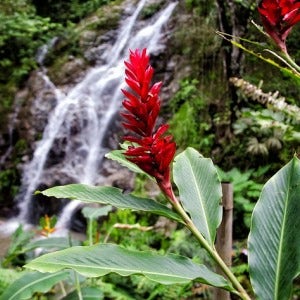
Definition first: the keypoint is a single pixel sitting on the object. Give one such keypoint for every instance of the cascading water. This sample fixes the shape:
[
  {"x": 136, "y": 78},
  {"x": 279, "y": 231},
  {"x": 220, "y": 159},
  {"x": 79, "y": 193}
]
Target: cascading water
[{"x": 81, "y": 117}]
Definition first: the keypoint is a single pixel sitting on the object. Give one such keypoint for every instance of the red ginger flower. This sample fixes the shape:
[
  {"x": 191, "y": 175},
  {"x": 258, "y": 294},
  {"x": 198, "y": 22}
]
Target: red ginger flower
[
  {"x": 143, "y": 103},
  {"x": 152, "y": 151},
  {"x": 278, "y": 18}
]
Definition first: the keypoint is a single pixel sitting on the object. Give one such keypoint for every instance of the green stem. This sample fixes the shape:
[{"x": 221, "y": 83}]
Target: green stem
[
  {"x": 77, "y": 285},
  {"x": 90, "y": 232},
  {"x": 292, "y": 62},
  {"x": 211, "y": 250},
  {"x": 287, "y": 60},
  {"x": 63, "y": 290},
  {"x": 90, "y": 237}
]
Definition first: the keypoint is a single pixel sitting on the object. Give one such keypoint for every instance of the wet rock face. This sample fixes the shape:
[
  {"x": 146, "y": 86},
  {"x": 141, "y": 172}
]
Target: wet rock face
[
  {"x": 36, "y": 100},
  {"x": 71, "y": 72}
]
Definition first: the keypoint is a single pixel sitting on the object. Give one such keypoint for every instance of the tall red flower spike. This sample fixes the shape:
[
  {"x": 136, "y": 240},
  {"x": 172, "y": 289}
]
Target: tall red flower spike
[
  {"x": 143, "y": 102},
  {"x": 278, "y": 18},
  {"x": 152, "y": 151}
]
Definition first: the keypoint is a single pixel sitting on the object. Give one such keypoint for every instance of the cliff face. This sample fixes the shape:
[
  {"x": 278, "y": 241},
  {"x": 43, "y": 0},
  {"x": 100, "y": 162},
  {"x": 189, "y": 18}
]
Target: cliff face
[{"x": 61, "y": 71}]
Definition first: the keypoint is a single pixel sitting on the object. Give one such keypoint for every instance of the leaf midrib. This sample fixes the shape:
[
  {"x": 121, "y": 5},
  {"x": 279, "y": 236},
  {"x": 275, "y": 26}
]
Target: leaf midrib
[
  {"x": 112, "y": 269},
  {"x": 280, "y": 250},
  {"x": 201, "y": 203},
  {"x": 33, "y": 283}
]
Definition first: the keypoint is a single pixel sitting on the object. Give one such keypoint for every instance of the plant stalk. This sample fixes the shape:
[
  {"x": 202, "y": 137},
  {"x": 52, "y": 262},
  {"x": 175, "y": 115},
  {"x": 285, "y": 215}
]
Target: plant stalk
[
  {"x": 287, "y": 60},
  {"x": 78, "y": 288},
  {"x": 211, "y": 250},
  {"x": 292, "y": 62}
]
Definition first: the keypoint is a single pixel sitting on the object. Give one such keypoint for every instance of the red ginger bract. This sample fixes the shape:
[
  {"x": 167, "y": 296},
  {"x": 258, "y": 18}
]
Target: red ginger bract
[
  {"x": 152, "y": 151},
  {"x": 278, "y": 18},
  {"x": 142, "y": 102}
]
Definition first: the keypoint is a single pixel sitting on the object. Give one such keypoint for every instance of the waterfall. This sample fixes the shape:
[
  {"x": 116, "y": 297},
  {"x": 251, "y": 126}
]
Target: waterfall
[{"x": 82, "y": 116}]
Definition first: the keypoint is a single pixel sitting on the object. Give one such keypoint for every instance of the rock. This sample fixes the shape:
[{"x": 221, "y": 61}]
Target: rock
[
  {"x": 87, "y": 39},
  {"x": 71, "y": 72},
  {"x": 94, "y": 55}
]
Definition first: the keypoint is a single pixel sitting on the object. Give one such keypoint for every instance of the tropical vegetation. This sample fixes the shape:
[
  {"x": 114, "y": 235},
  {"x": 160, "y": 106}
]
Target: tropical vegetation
[{"x": 225, "y": 107}]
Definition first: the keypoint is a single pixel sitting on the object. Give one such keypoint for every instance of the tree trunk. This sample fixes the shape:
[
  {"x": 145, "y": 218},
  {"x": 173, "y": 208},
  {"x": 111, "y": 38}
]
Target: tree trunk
[{"x": 233, "y": 19}]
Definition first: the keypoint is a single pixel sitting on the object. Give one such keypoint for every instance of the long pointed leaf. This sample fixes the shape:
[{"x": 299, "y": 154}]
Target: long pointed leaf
[
  {"x": 274, "y": 241},
  {"x": 110, "y": 195},
  {"x": 98, "y": 260},
  {"x": 30, "y": 283},
  {"x": 199, "y": 190}
]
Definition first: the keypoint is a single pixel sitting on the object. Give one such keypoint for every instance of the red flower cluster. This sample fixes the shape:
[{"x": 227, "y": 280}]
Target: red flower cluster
[
  {"x": 278, "y": 18},
  {"x": 151, "y": 151}
]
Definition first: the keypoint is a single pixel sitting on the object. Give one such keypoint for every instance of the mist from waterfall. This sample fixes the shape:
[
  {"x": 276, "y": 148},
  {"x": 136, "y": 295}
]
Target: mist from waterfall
[{"x": 82, "y": 117}]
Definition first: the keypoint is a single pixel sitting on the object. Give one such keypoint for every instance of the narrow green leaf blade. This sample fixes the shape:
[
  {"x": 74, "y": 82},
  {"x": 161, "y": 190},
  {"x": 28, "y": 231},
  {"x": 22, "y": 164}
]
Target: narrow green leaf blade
[
  {"x": 101, "y": 259},
  {"x": 110, "y": 195},
  {"x": 274, "y": 240},
  {"x": 200, "y": 191},
  {"x": 32, "y": 282}
]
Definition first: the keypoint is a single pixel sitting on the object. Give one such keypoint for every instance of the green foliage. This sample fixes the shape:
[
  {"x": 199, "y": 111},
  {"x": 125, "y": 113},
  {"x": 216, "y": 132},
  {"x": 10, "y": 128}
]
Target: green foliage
[
  {"x": 205, "y": 209},
  {"x": 194, "y": 188},
  {"x": 200, "y": 7},
  {"x": 88, "y": 293},
  {"x": 30, "y": 283},
  {"x": 7, "y": 277},
  {"x": 274, "y": 240},
  {"x": 10, "y": 7},
  {"x": 23, "y": 245},
  {"x": 268, "y": 133},
  {"x": 163, "y": 238},
  {"x": 15, "y": 253},
  {"x": 104, "y": 18},
  {"x": 199, "y": 191},
  {"x": 246, "y": 190},
  {"x": 63, "y": 11},
  {"x": 10, "y": 177},
  {"x": 110, "y": 195},
  {"x": 137, "y": 288},
  {"x": 149, "y": 10},
  {"x": 92, "y": 214},
  {"x": 190, "y": 123},
  {"x": 20, "y": 37},
  {"x": 198, "y": 48},
  {"x": 167, "y": 269},
  {"x": 21, "y": 34},
  {"x": 9, "y": 182}
]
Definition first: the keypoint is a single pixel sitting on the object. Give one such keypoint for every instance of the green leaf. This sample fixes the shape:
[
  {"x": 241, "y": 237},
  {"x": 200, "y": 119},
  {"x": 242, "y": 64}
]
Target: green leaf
[
  {"x": 7, "y": 277},
  {"x": 32, "y": 282},
  {"x": 93, "y": 213},
  {"x": 50, "y": 244},
  {"x": 110, "y": 195},
  {"x": 118, "y": 155},
  {"x": 88, "y": 293},
  {"x": 200, "y": 191},
  {"x": 101, "y": 259},
  {"x": 274, "y": 240}
]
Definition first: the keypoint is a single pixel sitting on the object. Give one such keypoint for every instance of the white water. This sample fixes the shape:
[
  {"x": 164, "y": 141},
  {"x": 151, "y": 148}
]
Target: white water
[{"x": 89, "y": 108}]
